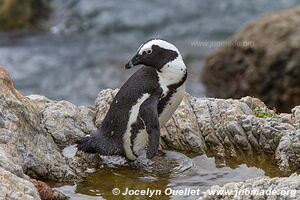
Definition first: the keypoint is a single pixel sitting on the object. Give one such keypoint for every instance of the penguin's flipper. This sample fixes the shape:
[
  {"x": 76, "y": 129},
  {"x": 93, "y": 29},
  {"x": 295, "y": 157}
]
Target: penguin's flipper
[{"x": 149, "y": 114}]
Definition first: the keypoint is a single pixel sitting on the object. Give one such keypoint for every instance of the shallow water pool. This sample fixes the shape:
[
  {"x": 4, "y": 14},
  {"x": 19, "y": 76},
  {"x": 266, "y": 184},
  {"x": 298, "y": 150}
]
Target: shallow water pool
[{"x": 172, "y": 173}]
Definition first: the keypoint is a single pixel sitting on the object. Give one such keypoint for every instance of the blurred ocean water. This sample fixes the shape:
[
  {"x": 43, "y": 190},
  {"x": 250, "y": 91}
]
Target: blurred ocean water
[{"x": 89, "y": 41}]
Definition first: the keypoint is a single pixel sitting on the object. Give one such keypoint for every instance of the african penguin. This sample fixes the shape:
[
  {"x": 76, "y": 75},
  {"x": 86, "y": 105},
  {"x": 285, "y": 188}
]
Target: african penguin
[{"x": 145, "y": 102}]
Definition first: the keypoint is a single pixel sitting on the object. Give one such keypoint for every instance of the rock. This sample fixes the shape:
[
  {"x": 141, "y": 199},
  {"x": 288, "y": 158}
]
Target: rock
[
  {"x": 228, "y": 128},
  {"x": 47, "y": 193},
  {"x": 35, "y": 132},
  {"x": 14, "y": 187},
  {"x": 287, "y": 188},
  {"x": 25, "y": 144},
  {"x": 288, "y": 151},
  {"x": 66, "y": 122},
  {"x": 103, "y": 101},
  {"x": 266, "y": 65},
  {"x": 182, "y": 131},
  {"x": 296, "y": 114},
  {"x": 16, "y": 14}
]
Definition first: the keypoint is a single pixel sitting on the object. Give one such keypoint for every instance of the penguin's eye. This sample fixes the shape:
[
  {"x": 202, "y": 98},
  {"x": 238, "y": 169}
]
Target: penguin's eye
[{"x": 149, "y": 51}]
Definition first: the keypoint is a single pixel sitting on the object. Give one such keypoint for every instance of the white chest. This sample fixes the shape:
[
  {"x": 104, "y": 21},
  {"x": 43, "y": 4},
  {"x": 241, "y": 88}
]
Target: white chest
[
  {"x": 172, "y": 105},
  {"x": 172, "y": 73}
]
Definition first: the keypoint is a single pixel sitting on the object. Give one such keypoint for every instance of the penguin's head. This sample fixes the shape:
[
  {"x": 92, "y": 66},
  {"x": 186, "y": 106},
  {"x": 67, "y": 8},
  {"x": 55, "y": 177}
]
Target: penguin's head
[{"x": 154, "y": 53}]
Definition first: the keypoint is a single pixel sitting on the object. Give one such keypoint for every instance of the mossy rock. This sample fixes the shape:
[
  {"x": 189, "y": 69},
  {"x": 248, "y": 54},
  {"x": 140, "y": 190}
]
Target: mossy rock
[
  {"x": 261, "y": 113},
  {"x": 19, "y": 14}
]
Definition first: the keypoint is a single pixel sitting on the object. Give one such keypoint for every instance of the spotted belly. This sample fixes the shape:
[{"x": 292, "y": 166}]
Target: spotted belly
[{"x": 171, "y": 105}]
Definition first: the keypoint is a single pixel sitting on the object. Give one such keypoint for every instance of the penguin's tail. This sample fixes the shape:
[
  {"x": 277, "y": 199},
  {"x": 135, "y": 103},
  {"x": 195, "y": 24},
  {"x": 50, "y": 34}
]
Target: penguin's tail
[
  {"x": 87, "y": 144},
  {"x": 99, "y": 143}
]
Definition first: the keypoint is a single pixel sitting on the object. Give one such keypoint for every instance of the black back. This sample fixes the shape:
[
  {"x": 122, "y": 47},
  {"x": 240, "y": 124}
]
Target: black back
[{"x": 145, "y": 80}]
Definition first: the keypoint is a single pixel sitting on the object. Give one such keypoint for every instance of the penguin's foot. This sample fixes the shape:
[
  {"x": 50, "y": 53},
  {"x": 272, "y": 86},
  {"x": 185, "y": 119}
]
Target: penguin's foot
[{"x": 160, "y": 153}]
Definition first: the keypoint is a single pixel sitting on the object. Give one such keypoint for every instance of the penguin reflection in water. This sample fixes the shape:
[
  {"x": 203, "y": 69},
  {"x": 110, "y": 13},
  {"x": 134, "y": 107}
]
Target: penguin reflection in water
[{"x": 143, "y": 104}]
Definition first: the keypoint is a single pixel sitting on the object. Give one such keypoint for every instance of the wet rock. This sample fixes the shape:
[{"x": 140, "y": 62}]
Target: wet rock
[
  {"x": 264, "y": 65},
  {"x": 16, "y": 14},
  {"x": 47, "y": 193},
  {"x": 269, "y": 188}
]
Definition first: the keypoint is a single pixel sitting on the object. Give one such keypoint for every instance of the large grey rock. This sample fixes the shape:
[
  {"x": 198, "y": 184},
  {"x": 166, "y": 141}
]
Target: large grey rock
[
  {"x": 66, "y": 122},
  {"x": 262, "y": 62},
  {"x": 25, "y": 144}
]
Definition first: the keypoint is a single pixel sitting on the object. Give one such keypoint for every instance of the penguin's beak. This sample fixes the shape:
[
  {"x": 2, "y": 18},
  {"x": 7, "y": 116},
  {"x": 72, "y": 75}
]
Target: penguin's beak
[{"x": 136, "y": 60}]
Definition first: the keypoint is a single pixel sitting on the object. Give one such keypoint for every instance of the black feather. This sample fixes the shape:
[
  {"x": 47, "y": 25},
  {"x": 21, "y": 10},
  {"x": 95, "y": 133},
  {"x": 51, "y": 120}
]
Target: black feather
[
  {"x": 86, "y": 145},
  {"x": 100, "y": 143}
]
